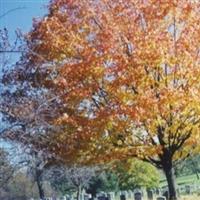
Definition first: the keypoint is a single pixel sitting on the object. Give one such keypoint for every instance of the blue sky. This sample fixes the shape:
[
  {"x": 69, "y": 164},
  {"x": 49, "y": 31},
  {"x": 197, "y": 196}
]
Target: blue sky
[
  {"x": 18, "y": 14},
  {"x": 21, "y": 18}
]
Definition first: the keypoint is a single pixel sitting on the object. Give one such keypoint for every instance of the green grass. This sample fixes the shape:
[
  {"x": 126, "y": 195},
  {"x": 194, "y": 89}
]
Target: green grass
[{"x": 189, "y": 179}]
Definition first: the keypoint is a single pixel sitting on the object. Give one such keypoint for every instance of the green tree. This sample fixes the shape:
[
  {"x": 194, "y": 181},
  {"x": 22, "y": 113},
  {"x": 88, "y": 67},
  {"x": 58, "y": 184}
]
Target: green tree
[
  {"x": 134, "y": 173},
  {"x": 106, "y": 181},
  {"x": 189, "y": 166}
]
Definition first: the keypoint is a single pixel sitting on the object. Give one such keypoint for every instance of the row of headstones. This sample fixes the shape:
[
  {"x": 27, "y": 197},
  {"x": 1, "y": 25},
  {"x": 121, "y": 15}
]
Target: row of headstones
[
  {"x": 188, "y": 189},
  {"x": 184, "y": 189},
  {"x": 67, "y": 197},
  {"x": 151, "y": 194},
  {"x": 160, "y": 194},
  {"x": 138, "y": 195}
]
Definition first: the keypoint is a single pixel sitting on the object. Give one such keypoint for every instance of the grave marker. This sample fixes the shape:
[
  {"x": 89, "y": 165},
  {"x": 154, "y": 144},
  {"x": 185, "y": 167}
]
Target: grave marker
[
  {"x": 149, "y": 194},
  {"x": 122, "y": 197},
  {"x": 138, "y": 196},
  {"x": 166, "y": 194},
  {"x": 188, "y": 189}
]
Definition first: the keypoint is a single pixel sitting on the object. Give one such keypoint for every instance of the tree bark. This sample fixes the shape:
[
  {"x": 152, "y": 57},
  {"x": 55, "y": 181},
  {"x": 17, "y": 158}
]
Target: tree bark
[
  {"x": 79, "y": 190},
  {"x": 170, "y": 176},
  {"x": 40, "y": 189}
]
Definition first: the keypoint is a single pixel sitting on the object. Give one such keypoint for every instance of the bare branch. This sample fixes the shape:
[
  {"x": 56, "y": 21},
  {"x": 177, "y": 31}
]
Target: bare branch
[{"x": 11, "y": 10}]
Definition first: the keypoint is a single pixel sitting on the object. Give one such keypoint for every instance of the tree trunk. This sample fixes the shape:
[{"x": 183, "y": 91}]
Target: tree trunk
[
  {"x": 170, "y": 176},
  {"x": 79, "y": 190},
  {"x": 40, "y": 189}
]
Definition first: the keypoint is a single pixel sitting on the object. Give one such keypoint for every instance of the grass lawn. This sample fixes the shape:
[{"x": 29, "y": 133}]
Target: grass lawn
[{"x": 182, "y": 180}]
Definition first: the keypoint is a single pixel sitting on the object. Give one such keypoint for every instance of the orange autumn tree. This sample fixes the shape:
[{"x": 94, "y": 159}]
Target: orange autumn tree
[{"x": 127, "y": 73}]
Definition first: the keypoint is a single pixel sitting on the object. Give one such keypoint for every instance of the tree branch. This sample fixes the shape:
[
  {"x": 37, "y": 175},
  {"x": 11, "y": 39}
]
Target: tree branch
[{"x": 11, "y": 10}]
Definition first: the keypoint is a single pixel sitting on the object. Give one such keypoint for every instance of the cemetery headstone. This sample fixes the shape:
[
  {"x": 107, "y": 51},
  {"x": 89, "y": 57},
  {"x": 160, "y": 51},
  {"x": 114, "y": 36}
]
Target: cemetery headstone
[
  {"x": 178, "y": 191},
  {"x": 54, "y": 197},
  {"x": 67, "y": 197},
  {"x": 138, "y": 196},
  {"x": 111, "y": 196},
  {"x": 150, "y": 194},
  {"x": 86, "y": 197},
  {"x": 102, "y": 196},
  {"x": 122, "y": 197},
  {"x": 90, "y": 196},
  {"x": 188, "y": 189},
  {"x": 157, "y": 191},
  {"x": 166, "y": 194}
]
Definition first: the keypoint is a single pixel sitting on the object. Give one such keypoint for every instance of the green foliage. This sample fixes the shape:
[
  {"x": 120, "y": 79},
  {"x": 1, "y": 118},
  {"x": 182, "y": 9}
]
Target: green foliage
[
  {"x": 189, "y": 166},
  {"x": 125, "y": 175},
  {"x": 110, "y": 181},
  {"x": 107, "y": 181},
  {"x": 135, "y": 173}
]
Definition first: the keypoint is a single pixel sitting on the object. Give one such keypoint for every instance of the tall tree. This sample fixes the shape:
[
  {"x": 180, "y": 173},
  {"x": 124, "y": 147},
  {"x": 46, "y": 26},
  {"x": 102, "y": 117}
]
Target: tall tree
[
  {"x": 36, "y": 168},
  {"x": 126, "y": 74}
]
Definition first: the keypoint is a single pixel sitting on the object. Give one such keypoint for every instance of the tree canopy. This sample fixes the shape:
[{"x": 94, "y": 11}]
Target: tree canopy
[
  {"x": 126, "y": 79},
  {"x": 134, "y": 174}
]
